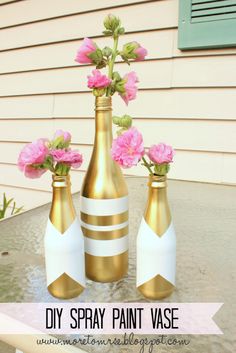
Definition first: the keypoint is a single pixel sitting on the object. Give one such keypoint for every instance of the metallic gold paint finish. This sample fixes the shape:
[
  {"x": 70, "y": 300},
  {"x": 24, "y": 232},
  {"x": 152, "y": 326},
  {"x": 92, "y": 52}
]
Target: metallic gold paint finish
[
  {"x": 157, "y": 288},
  {"x": 108, "y": 268},
  {"x": 62, "y": 215},
  {"x": 105, "y": 220},
  {"x": 65, "y": 287},
  {"x": 157, "y": 213},
  {"x": 105, "y": 235},
  {"x": 104, "y": 180},
  {"x": 157, "y": 216}
]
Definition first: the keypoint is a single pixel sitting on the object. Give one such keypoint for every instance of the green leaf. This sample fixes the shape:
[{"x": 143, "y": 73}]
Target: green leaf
[
  {"x": 13, "y": 208},
  {"x": 18, "y": 210},
  {"x": 6, "y": 205}
]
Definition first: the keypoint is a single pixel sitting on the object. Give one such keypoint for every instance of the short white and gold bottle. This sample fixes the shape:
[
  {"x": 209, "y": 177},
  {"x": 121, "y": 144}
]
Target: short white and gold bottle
[
  {"x": 64, "y": 244},
  {"x": 156, "y": 244}
]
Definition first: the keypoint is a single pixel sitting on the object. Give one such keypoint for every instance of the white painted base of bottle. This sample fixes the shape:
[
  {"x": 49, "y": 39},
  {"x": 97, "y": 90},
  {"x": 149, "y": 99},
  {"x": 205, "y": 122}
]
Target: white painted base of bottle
[
  {"x": 155, "y": 255},
  {"x": 64, "y": 253}
]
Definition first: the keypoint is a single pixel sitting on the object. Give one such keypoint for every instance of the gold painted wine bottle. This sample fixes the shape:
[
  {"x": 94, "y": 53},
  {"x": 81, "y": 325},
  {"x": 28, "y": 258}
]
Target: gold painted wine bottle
[
  {"x": 104, "y": 205},
  {"x": 156, "y": 244},
  {"x": 64, "y": 244}
]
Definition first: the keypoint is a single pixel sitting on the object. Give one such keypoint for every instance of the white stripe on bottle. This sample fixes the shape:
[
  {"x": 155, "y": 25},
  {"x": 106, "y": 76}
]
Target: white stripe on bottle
[
  {"x": 106, "y": 247},
  {"x": 105, "y": 207}
]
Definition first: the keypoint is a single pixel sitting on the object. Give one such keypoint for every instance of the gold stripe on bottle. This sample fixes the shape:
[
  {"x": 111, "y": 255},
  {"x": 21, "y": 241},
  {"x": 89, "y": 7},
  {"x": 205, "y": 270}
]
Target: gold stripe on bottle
[
  {"x": 104, "y": 220},
  {"x": 105, "y": 235},
  {"x": 157, "y": 288},
  {"x": 64, "y": 287},
  {"x": 108, "y": 268}
]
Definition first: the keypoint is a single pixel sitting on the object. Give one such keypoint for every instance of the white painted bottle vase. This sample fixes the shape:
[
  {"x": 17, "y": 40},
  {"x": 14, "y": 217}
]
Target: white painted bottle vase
[
  {"x": 156, "y": 244},
  {"x": 64, "y": 244}
]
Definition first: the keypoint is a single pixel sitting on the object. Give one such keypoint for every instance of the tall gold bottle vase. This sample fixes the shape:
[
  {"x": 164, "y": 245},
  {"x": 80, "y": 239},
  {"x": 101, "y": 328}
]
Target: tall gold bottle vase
[
  {"x": 64, "y": 244},
  {"x": 156, "y": 244},
  {"x": 104, "y": 205}
]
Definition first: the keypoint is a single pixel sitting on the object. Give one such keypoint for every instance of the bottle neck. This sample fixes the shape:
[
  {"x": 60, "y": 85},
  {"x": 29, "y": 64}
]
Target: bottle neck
[
  {"x": 157, "y": 213},
  {"x": 103, "y": 123},
  {"x": 62, "y": 212},
  {"x": 157, "y": 188}
]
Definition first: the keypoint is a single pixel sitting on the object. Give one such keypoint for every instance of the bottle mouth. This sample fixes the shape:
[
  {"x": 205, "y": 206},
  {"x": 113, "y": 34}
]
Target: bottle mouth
[
  {"x": 103, "y": 103},
  {"x": 60, "y": 180},
  {"x": 157, "y": 181}
]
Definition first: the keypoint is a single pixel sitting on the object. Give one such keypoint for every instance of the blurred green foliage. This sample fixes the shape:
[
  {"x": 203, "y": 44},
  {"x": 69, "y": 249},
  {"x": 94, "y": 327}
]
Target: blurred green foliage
[{"x": 9, "y": 205}]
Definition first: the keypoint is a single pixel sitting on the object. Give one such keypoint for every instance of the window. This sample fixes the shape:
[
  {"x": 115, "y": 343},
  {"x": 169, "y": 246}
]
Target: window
[{"x": 207, "y": 24}]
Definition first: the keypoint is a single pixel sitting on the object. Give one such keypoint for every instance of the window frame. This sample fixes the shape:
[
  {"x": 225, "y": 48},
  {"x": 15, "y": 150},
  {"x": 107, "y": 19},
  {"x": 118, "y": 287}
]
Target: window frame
[{"x": 204, "y": 34}]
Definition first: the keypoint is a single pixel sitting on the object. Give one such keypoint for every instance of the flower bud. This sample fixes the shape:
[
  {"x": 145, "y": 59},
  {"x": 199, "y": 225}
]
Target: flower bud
[
  {"x": 107, "y": 52},
  {"x": 61, "y": 139},
  {"x": 111, "y": 23},
  {"x": 96, "y": 56},
  {"x": 124, "y": 121},
  {"x": 133, "y": 51},
  {"x": 99, "y": 92},
  {"x": 116, "y": 76},
  {"x": 128, "y": 50},
  {"x": 120, "y": 86}
]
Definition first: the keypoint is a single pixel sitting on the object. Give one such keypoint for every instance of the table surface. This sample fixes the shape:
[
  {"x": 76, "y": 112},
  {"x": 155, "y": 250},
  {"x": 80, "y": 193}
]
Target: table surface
[{"x": 205, "y": 223}]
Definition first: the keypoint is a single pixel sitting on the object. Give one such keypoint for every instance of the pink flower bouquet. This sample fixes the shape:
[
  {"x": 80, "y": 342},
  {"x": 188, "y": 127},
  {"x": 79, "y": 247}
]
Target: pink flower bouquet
[
  {"x": 128, "y": 149},
  {"x": 90, "y": 53},
  {"x": 42, "y": 155}
]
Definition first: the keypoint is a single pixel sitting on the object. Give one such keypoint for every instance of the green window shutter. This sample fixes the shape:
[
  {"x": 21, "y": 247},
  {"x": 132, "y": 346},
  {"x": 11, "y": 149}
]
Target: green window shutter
[{"x": 207, "y": 24}]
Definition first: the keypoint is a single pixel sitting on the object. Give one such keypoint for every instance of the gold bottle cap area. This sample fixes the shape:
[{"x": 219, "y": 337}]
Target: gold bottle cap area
[
  {"x": 157, "y": 181},
  {"x": 103, "y": 103},
  {"x": 61, "y": 181}
]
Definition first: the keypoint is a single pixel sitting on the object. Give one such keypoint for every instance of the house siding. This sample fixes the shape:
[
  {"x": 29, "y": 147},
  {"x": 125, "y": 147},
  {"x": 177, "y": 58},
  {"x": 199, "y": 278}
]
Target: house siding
[{"x": 186, "y": 99}]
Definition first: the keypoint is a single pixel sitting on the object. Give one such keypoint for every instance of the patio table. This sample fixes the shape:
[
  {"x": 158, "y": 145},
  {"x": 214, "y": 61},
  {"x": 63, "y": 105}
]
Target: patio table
[{"x": 204, "y": 216}]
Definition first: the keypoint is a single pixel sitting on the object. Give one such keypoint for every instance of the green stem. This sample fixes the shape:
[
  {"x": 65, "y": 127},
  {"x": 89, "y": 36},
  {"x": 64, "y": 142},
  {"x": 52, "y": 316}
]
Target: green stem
[
  {"x": 112, "y": 62},
  {"x": 146, "y": 164}
]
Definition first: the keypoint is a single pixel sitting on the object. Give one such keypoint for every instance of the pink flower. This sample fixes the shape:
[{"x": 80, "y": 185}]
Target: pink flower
[
  {"x": 72, "y": 158},
  {"x": 130, "y": 87},
  {"x": 161, "y": 153},
  {"x": 127, "y": 149},
  {"x": 64, "y": 134},
  {"x": 86, "y": 48},
  {"x": 33, "y": 173},
  {"x": 33, "y": 153},
  {"x": 98, "y": 80},
  {"x": 140, "y": 52}
]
